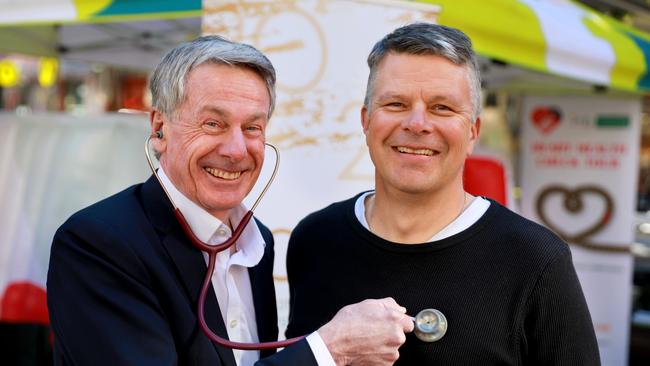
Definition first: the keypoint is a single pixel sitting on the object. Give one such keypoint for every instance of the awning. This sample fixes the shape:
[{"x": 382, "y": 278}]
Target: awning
[
  {"x": 558, "y": 37},
  {"x": 71, "y": 11},
  {"x": 127, "y": 33},
  {"x": 554, "y": 36}
]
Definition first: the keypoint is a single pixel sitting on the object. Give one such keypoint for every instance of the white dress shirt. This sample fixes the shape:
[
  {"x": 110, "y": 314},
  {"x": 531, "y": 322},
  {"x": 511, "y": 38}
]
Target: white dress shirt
[{"x": 230, "y": 279}]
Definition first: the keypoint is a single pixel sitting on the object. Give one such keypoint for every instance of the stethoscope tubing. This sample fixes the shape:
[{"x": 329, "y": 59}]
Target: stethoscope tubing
[{"x": 213, "y": 250}]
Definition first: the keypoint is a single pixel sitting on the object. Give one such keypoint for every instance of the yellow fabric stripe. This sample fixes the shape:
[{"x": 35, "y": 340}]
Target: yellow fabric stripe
[
  {"x": 502, "y": 29},
  {"x": 88, "y": 8},
  {"x": 630, "y": 61}
]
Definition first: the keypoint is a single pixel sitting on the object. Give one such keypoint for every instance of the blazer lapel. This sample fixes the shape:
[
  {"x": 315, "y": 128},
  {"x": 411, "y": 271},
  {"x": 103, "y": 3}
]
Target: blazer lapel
[
  {"x": 261, "y": 278},
  {"x": 190, "y": 265}
]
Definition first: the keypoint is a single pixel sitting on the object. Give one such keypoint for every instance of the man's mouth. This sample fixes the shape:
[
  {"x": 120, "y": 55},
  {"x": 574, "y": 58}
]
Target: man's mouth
[
  {"x": 408, "y": 150},
  {"x": 222, "y": 173}
]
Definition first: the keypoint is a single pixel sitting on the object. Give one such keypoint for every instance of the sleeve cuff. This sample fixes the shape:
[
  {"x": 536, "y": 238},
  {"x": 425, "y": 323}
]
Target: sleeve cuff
[{"x": 320, "y": 351}]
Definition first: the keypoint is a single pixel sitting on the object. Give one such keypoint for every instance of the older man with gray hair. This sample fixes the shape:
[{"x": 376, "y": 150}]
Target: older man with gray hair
[
  {"x": 504, "y": 287},
  {"x": 124, "y": 279}
]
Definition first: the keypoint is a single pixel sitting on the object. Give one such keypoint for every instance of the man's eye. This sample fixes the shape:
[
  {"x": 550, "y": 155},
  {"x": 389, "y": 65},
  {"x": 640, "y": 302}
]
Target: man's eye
[
  {"x": 254, "y": 128},
  {"x": 395, "y": 104},
  {"x": 212, "y": 123},
  {"x": 441, "y": 107}
]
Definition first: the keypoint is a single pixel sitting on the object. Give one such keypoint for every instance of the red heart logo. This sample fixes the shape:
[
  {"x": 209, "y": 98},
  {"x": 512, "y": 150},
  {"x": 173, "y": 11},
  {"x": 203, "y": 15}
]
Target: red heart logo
[{"x": 546, "y": 119}]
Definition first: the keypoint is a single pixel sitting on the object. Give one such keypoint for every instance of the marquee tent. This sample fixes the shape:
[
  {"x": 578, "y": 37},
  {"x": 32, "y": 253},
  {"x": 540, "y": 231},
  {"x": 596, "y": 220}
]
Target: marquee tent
[
  {"x": 132, "y": 34},
  {"x": 558, "y": 37}
]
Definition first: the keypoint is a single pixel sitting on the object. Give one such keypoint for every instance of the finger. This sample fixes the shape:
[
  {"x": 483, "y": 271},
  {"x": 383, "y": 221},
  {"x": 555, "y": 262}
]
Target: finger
[
  {"x": 407, "y": 324},
  {"x": 390, "y": 303}
]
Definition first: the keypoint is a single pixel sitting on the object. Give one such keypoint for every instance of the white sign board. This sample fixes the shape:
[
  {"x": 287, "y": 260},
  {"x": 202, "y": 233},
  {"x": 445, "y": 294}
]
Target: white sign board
[{"x": 579, "y": 176}]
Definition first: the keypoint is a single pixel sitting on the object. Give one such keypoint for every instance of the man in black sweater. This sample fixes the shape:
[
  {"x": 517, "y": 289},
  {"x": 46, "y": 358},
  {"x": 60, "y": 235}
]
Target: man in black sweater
[{"x": 506, "y": 285}]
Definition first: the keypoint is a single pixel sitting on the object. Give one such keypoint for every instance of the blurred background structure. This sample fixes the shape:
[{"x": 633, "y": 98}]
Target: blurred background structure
[{"x": 73, "y": 103}]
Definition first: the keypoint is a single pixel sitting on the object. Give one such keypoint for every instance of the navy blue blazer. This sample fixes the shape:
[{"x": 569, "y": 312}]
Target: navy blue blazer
[{"x": 123, "y": 285}]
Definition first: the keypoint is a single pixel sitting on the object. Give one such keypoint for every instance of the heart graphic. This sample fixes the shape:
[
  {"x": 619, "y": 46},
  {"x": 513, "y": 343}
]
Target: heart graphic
[
  {"x": 546, "y": 119},
  {"x": 573, "y": 203}
]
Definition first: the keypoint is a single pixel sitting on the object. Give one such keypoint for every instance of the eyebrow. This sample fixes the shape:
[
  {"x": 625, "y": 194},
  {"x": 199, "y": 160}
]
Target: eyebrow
[
  {"x": 213, "y": 109},
  {"x": 388, "y": 96},
  {"x": 436, "y": 98},
  {"x": 446, "y": 99},
  {"x": 225, "y": 114}
]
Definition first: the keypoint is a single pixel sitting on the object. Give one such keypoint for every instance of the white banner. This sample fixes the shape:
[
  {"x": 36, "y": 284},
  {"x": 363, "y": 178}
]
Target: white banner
[
  {"x": 52, "y": 165},
  {"x": 319, "y": 49},
  {"x": 579, "y": 176}
]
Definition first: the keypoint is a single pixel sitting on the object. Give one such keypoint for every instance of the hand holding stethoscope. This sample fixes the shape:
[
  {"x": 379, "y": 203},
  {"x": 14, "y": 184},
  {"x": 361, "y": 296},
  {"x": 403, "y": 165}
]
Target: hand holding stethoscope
[{"x": 430, "y": 324}]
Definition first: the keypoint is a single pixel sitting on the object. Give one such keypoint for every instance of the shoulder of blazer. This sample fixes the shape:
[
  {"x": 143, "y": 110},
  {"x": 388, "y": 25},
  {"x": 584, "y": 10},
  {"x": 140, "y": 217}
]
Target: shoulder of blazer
[{"x": 266, "y": 233}]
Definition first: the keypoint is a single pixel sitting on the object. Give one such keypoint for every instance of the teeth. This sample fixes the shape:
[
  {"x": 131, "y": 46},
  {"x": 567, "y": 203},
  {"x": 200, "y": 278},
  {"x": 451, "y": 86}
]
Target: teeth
[
  {"x": 223, "y": 174},
  {"x": 408, "y": 150}
]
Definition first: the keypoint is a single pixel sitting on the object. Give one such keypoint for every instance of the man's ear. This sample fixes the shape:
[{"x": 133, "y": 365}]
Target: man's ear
[
  {"x": 365, "y": 119},
  {"x": 158, "y": 125},
  {"x": 474, "y": 131}
]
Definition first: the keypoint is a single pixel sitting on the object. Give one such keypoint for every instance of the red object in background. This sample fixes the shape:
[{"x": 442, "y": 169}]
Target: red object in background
[
  {"x": 24, "y": 302},
  {"x": 132, "y": 91},
  {"x": 485, "y": 176}
]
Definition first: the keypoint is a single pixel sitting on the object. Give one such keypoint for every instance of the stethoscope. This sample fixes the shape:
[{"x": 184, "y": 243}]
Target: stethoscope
[{"x": 430, "y": 324}]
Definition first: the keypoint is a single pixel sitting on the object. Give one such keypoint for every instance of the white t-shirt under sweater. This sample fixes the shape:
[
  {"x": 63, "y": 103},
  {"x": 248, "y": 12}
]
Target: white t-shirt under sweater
[{"x": 467, "y": 218}]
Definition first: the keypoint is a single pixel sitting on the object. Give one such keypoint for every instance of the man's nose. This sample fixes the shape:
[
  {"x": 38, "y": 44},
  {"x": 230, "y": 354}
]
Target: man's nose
[
  {"x": 416, "y": 121},
  {"x": 234, "y": 147}
]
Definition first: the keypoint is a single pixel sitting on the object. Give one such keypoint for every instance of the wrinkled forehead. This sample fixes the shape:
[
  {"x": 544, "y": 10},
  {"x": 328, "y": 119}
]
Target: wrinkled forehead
[
  {"x": 211, "y": 84},
  {"x": 216, "y": 70},
  {"x": 401, "y": 70}
]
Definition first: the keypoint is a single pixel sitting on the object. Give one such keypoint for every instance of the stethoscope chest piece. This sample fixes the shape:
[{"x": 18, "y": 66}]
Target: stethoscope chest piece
[{"x": 430, "y": 325}]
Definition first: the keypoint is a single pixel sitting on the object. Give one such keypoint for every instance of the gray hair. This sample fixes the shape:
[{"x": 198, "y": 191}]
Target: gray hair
[
  {"x": 428, "y": 39},
  {"x": 167, "y": 82}
]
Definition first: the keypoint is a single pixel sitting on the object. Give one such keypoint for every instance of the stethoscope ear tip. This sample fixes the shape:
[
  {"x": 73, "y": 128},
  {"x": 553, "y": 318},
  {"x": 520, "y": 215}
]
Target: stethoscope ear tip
[{"x": 430, "y": 325}]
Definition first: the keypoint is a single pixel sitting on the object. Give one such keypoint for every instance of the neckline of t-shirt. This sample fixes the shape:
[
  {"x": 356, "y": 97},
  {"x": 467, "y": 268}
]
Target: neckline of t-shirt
[{"x": 377, "y": 241}]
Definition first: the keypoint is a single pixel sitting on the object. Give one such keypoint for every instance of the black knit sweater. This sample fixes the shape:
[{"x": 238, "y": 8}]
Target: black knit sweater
[{"x": 506, "y": 285}]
